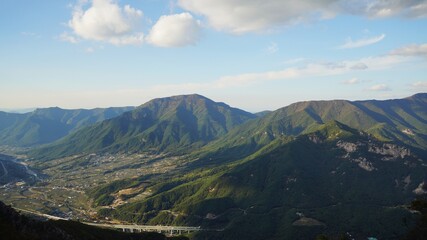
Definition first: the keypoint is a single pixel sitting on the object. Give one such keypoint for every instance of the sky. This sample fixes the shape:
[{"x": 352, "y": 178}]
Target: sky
[{"x": 251, "y": 54}]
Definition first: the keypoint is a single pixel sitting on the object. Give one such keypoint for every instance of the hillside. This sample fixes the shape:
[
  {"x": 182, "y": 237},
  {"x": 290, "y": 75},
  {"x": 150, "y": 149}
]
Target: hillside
[
  {"x": 14, "y": 226},
  {"x": 173, "y": 124},
  {"x": 401, "y": 121},
  {"x": 9, "y": 119},
  {"x": 49, "y": 124},
  {"x": 324, "y": 182}
]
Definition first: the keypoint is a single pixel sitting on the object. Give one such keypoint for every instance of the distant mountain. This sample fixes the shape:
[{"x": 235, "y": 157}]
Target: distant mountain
[
  {"x": 172, "y": 124},
  {"x": 333, "y": 180},
  {"x": 17, "y": 110},
  {"x": 49, "y": 124},
  {"x": 9, "y": 119},
  {"x": 263, "y": 113}
]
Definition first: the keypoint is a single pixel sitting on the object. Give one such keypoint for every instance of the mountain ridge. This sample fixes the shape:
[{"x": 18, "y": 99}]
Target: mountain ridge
[
  {"x": 162, "y": 124},
  {"x": 45, "y": 125}
]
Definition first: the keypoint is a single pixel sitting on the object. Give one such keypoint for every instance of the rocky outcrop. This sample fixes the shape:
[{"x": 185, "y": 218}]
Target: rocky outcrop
[
  {"x": 421, "y": 189},
  {"x": 390, "y": 151}
]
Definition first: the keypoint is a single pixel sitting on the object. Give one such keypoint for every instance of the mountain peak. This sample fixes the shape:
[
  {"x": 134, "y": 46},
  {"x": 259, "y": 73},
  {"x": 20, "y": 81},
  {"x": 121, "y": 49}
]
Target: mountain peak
[
  {"x": 419, "y": 96},
  {"x": 186, "y": 97},
  {"x": 173, "y": 124}
]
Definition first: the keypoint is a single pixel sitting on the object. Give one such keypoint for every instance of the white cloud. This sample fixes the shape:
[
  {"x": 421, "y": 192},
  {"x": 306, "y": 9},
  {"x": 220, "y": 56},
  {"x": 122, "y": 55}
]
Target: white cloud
[
  {"x": 352, "y": 81},
  {"x": 241, "y": 16},
  {"x": 106, "y": 21},
  {"x": 272, "y": 48},
  {"x": 384, "y": 8},
  {"x": 175, "y": 30},
  {"x": 313, "y": 70},
  {"x": 379, "y": 87},
  {"x": 66, "y": 37},
  {"x": 359, "y": 66},
  {"x": 362, "y": 42},
  {"x": 420, "y": 86},
  {"x": 412, "y": 50}
]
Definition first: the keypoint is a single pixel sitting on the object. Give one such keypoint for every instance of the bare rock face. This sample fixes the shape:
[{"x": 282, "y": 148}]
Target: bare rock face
[
  {"x": 386, "y": 151},
  {"x": 408, "y": 132},
  {"x": 351, "y": 148},
  {"x": 315, "y": 138},
  {"x": 364, "y": 164},
  {"x": 390, "y": 151},
  {"x": 347, "y": 146},
  {"x": 421, "y": 189}
]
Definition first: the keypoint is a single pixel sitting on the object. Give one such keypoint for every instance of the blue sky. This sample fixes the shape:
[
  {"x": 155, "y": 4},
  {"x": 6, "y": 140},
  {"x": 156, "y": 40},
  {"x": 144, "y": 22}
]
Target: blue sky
[{"x": 251, "y": 54}]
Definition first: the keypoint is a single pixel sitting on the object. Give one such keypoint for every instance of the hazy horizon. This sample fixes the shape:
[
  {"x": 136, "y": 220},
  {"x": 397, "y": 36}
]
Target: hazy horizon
[{"x": 27, "y": 110}]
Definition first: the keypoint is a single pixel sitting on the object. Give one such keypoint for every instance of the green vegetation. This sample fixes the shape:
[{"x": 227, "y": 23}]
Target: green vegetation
[
  {"x": 14, "y": 226},
  {"x": 311, "y": 174},
  {"x": 312, "y": 169},
  {"x": 47, "y": 125},
  {"x": 174, "y": 124}
]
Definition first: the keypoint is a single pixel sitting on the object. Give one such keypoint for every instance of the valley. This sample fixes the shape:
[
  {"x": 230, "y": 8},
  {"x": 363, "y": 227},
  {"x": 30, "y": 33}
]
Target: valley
[
  {"x": 311, "y": 168},
  {"x": 61, "y": 191}
]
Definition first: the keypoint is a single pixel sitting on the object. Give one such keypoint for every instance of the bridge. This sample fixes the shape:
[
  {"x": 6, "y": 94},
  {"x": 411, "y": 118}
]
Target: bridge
[{"x": 171, "y": 230}]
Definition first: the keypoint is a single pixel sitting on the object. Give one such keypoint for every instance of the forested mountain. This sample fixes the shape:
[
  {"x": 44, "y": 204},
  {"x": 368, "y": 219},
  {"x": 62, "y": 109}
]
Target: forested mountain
[
  {"x": 311, "y": 168},
  {"x": 8, "y": 119},
  {"x": 46, "y": 125},
  {"x": 402, "y": 121},
  {"x": 171, "y": 124},
  {"x": 327, "y": 181}
]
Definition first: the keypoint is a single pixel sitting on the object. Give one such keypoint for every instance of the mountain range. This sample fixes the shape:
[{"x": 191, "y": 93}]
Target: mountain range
[
  {"x": 46, "y": 125},
  {"x": 175, "y": 124},
  {"x": 310, "y": 168}
]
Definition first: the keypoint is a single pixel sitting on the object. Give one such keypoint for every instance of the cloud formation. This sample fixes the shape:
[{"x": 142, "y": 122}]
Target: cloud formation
[
  {"x": 106, "y": 21},
  {"x": 352, "y": 81},
  {"x": 313, "y": 70},
  {"x": 412, "y": 50},
  {"x": 362, "y": 42},
  {"x": 419, "y": 86},
  {"x": 175, "y": 30},
  {"x": 241, "y": 16},
  {"x": 66, "y": 37},
  {"x": 379, "y": 87},
  {"x": 384, "y": 8}
]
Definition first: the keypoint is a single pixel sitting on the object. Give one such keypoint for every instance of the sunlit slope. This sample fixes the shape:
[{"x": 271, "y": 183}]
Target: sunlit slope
[
  {"x": 402, "y": 120},
  {"x": 336, "y": 175},
  {"x": 167, "y": 124}
]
